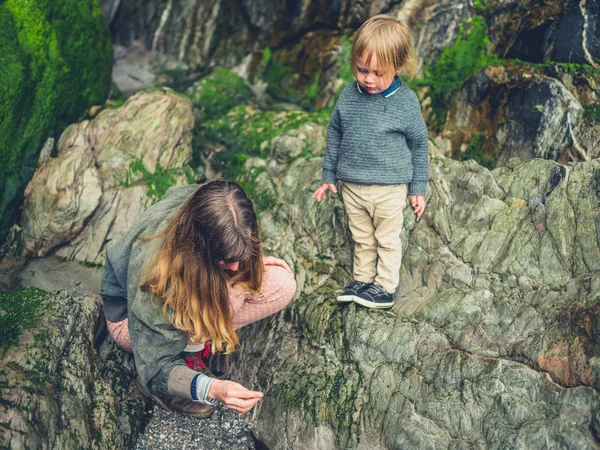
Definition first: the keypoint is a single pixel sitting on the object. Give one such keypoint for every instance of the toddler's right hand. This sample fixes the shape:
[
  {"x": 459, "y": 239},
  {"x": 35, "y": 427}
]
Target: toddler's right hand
[{"x": 321, "y": 193}]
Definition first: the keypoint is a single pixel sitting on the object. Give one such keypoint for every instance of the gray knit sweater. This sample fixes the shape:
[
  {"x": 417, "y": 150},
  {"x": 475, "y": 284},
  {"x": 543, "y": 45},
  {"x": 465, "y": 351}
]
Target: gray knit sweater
[{"x": 376, "y": 140}]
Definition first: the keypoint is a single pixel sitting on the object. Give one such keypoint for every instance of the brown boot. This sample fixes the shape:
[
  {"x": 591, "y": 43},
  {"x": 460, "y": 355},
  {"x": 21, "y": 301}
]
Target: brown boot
[
  {"x": 184, "y": 405},
  {"x": 179, "y": 404}
]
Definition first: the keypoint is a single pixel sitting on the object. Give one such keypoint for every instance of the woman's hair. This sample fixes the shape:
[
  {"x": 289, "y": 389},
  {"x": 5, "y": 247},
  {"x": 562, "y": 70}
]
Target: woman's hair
[
  {"x": 217, "y": 223},
  {"x": 390, "y": 40}
]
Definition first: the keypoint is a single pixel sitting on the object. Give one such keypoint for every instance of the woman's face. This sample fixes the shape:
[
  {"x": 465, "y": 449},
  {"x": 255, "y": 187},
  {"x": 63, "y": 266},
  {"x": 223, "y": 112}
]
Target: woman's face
[{"x": 233, "y": 267}]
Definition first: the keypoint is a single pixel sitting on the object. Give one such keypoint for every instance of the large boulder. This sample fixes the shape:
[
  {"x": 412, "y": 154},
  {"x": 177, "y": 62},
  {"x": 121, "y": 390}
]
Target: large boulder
[
  {"x": 108, "y": 170},
  {"x": 493, "y": 339},
  {"x": 522, "y": 112},
  {"x": 56, "y": 63},
  {"x": 565, "y": 31},
  {"x": 56, "y": 389}
]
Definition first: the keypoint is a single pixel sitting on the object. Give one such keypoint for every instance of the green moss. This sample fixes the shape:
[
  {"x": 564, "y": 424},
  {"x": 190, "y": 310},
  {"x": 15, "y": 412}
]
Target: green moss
[
  {"x": 244, "y": 129},
  {"x": 345, "y": 71},
  {"x": 456, "y": 64},
  {"x": 218, "y": 92},
  {"x": 475, "y": 151},
  {"x": 262, "y": 199},
  {"x": 265, "y": 58},
  {"x": 19, "y": 310},
  {"x": 592, "y": 112},
  {"x": 482, "y": 7},
  {"x": 55, "y": 62},
  {"x": 158, "y": 183}
]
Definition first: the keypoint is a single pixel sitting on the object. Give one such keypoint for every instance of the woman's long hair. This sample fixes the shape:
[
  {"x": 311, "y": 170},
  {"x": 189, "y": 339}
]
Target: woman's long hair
[{"x": 217, "y": 223}]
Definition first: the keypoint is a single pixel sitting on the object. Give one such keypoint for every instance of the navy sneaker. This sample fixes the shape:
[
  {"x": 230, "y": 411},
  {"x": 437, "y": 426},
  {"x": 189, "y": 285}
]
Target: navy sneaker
[
  {"x": 351, "y": 290},
  {"x": 374, "y": 297}
]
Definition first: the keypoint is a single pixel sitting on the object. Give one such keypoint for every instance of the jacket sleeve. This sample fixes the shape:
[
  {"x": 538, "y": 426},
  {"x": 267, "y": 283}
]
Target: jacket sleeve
[
  {"x": 418, "y": 141},
  {"x": 157, "y": 349},
  {"x": 334, "y": 140}
]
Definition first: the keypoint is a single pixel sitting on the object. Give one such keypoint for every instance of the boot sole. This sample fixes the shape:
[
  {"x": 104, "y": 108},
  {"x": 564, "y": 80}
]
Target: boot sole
[{"x": 372, "y": 305}]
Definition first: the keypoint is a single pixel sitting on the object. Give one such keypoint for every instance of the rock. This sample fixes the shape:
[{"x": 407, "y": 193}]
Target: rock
[
  {"x": 59, "y": 199},
  {"x": 108, "y": 170},
  {"x": 493, "y": 332},
  {"x": 525, "y": 116},
  {"x": 41, "y": 42},
  {"x": 547, "y": 30},
  {"x": 57, "y": 391},
  {"x": 218, "y": 92},
  {"x": 309, "y": 137},
  {"x": 441, "y": 22}
]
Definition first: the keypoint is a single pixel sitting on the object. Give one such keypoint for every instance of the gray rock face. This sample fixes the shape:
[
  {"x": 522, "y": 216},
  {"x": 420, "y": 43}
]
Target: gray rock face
[
  {"x": 59, "y": 199},
  {"x": 492, "y": 340},
  {"x": 58, "y": 391},
  {"x": 544, "y": 30},
  {"x": 524, "y": 115},
  {"x": 108, "y": 170}
]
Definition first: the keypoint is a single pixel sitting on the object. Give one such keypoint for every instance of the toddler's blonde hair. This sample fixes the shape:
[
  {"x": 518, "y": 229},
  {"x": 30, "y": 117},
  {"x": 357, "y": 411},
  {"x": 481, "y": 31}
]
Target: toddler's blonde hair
[{"x": 390, "y": 40}]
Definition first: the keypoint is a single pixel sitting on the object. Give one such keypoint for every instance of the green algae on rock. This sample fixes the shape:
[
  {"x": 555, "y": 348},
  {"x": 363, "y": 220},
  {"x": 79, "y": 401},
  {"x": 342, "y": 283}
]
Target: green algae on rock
[
  {"x": 218, "y": 92},
  {"x": 56, "y": 63},
  {"x": 19, "y": 309}
]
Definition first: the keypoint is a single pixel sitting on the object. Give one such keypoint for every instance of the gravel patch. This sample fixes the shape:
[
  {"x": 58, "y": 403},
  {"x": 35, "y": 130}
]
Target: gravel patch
[{"x": 225, "y": 429}]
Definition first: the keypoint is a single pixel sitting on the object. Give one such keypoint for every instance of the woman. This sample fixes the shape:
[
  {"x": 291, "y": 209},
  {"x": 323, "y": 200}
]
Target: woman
[{"x": 191, "y": 271}]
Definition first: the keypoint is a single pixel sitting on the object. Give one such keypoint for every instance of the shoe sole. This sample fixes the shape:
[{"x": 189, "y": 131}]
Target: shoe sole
[
  {"x": 368, "y": 304},
  {"x": 345, "y": 298}
]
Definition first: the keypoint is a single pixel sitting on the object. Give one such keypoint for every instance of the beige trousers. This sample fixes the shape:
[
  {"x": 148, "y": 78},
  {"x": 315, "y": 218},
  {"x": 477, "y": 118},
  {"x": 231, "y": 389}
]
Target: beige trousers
[{"x": 376, "y": 215}]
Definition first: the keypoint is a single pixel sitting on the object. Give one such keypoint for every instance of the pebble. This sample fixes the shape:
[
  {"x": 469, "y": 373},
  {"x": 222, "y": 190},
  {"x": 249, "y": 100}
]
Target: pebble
[{"x": 225, "y": 429}]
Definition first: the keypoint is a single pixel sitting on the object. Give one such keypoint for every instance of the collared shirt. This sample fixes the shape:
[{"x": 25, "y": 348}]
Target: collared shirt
[{"x": 391, "y": 90}]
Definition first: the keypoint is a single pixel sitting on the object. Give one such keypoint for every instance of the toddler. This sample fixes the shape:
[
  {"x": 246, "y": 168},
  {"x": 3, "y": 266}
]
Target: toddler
[{"x": 377, "y": 148}]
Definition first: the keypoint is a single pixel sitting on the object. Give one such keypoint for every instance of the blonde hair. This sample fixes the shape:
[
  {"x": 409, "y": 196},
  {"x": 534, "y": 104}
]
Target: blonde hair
[
  {"x": 390, "y": 40},
  {"x": 217, "y": 223}
]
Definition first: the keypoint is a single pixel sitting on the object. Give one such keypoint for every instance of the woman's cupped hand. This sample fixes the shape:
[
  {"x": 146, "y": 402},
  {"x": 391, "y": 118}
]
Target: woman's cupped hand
[{"x": 233, "y": 395}]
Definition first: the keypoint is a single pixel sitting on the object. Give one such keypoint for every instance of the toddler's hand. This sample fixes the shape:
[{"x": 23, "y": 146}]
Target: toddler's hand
[
  {"x": 321, "y": 193},
  {"x": 418, "y": 204}
]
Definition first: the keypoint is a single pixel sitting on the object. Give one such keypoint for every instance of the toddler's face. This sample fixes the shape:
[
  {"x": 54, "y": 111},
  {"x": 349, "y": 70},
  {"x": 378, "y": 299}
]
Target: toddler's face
[{"x": 372, "y": 78}]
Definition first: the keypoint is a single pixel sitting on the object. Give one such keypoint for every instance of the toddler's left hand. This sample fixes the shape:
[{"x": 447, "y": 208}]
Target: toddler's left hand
[{"x": 418, "y": 204}]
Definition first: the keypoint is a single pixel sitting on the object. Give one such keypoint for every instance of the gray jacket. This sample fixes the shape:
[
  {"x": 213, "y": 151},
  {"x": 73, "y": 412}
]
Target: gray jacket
[{"x": 157, "y": 345}]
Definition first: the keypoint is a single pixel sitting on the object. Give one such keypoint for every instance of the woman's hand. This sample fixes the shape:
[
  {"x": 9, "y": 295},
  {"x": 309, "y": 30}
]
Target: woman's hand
[
  {"x": 418, "y": 204},
  {"x": 234, "y": 395},
  {"x": 272, "y": 261},
  {"x": 321, "y": 193}
]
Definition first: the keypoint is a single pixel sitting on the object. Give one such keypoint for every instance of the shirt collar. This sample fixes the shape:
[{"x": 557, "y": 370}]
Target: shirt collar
[{"x": 391, "y": 90}]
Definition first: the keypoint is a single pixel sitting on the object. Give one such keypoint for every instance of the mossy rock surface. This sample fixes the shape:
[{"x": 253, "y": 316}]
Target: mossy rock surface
[
  {"x": 19, "y": 309},
  {"x": 218, "y": 92},
  {"x": 56, "y": 62},
  {"x": 248, "y": 130}
]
